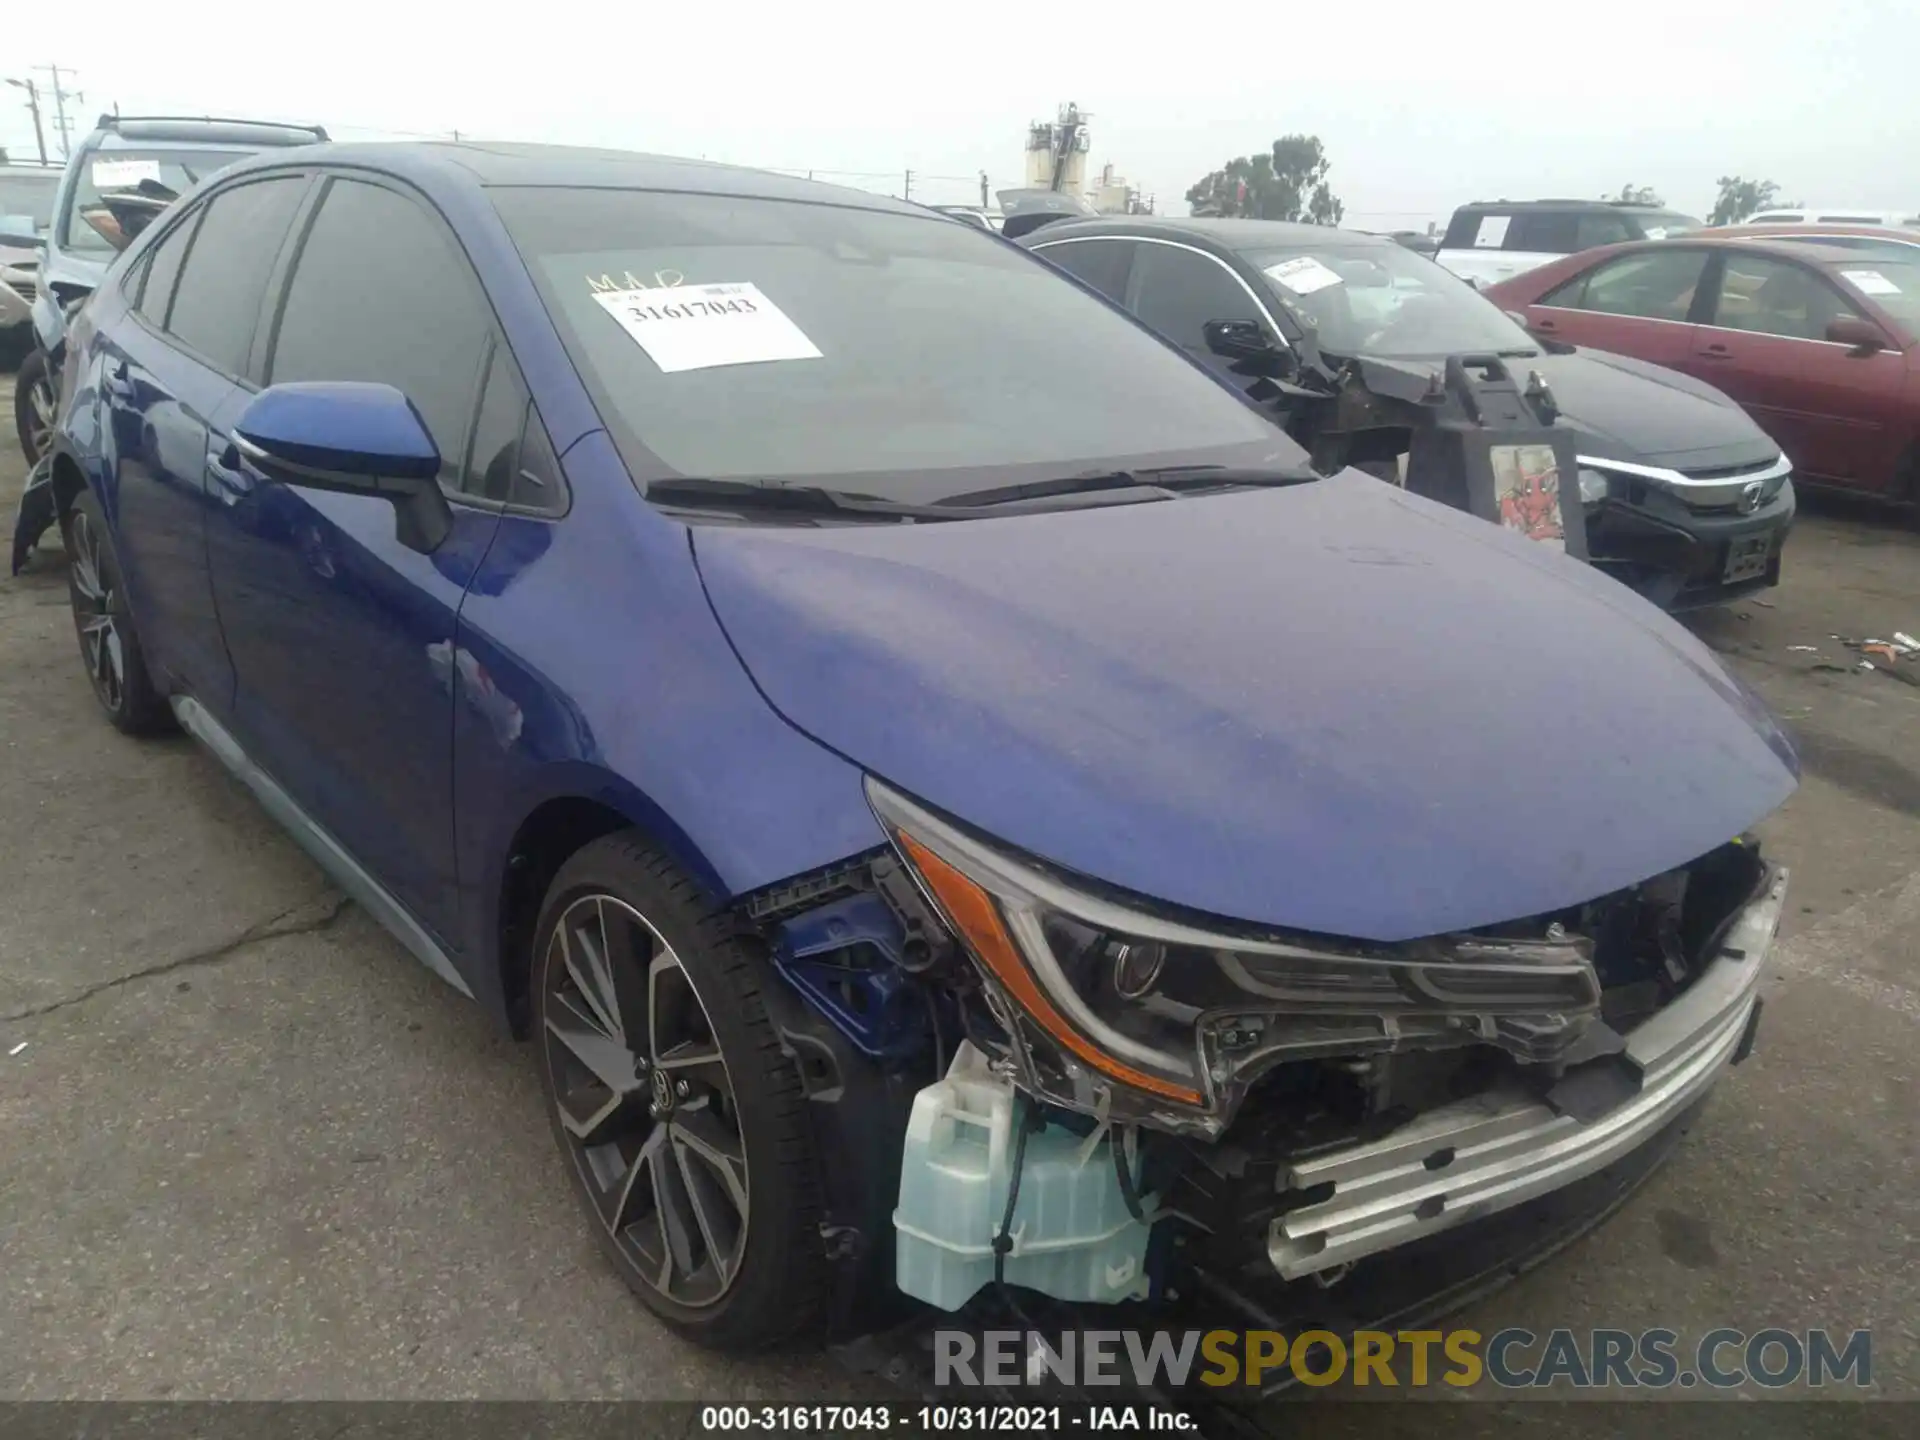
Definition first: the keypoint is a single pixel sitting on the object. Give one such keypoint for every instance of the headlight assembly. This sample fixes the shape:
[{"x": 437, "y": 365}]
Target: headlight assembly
[{"x": 1114, "y": 1009}]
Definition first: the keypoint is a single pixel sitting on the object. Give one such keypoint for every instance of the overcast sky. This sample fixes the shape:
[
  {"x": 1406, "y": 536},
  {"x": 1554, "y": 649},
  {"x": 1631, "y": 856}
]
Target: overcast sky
[{"x": 1421, "y": 106}]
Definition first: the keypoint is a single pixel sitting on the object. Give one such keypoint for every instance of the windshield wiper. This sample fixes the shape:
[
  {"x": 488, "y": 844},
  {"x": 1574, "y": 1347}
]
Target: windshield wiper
[
  {"x": 761, "y": 495},
  {"x": 1160, "y": 481}
]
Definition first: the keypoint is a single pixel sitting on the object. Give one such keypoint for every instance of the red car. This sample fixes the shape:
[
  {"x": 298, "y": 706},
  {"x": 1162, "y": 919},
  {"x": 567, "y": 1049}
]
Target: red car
[{"x": 1820, "y": 343}]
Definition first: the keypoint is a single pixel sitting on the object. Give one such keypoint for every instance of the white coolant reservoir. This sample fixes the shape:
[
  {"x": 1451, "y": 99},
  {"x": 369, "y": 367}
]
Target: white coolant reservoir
[{"x": 1073, "y": 1236}]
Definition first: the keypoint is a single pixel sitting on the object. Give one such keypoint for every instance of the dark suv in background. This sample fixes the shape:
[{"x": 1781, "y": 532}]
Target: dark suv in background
[
  {"x": 1494, "y": 240},
  {"x": 121, "y": 153}
]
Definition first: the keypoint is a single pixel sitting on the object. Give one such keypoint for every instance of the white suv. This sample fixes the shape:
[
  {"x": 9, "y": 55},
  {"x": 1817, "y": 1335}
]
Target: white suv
[{"x": 1490, "y": 241}]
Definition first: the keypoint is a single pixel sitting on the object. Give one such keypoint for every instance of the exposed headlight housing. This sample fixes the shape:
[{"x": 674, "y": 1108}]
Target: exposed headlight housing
[{"x": 1115, "y": 1009}]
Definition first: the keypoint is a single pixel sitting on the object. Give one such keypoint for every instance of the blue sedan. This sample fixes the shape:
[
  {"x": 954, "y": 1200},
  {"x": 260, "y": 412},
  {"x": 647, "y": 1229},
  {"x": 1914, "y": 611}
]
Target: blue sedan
[{"x": 884, "y": 723}]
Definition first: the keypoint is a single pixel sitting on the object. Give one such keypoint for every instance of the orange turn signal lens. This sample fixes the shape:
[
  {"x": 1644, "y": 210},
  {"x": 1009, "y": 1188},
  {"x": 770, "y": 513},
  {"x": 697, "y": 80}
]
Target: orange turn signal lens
[{"x": 972, "y": 910}]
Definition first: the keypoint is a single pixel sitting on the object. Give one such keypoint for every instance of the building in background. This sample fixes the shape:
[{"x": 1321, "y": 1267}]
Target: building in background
[
  {"x": 1057, "y": 152},
  {"x": 1057, "y": 160}
]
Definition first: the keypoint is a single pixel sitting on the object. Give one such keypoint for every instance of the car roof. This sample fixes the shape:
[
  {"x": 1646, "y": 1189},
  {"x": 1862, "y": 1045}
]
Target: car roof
[
  {"x": 1232, "y": 234},
  {"x": 492, "y": 165},
  {"x": 114, "y": 132},
  {"x": 1660, "y": 209}
]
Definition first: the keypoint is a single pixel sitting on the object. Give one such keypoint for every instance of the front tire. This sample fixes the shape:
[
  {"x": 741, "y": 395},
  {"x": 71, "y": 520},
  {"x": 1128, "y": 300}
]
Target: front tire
[
  {"x": 683, "y": 1126},
  {"x": 33, "y": 403},
  {"x": 109, "y": 646}
]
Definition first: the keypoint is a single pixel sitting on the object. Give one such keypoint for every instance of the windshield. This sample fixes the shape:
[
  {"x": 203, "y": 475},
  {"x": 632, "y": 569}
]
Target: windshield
[
  {"x": 178, "y": 170},
  {"x": 29, "y": 195},
  {"x": 1386, "y": 301},
  {"x": 1893, "y": 282},
  {"x": 891, "y": 355}
]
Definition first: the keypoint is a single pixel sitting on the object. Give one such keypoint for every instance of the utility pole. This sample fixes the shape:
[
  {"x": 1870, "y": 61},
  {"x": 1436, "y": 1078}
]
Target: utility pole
[
  {"x": 907, "y": 194},
  {"x": 983, "y": 190},
  {"x": 33, "y": 104},
  {"x": 60, "y": 98}
]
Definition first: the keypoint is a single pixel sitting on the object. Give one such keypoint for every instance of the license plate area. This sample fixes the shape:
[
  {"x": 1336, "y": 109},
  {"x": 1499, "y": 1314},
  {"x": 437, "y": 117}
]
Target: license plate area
[{"x": 1747, "y": 557}]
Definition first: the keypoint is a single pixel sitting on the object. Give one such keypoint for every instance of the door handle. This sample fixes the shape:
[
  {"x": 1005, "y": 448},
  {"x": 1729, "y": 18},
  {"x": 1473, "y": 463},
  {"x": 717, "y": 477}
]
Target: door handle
[
  {"x": 1715, "y": 352},
  {"x": 233, "y": 478},
  {"x": 115, "y": 381},
  {"x": 1545, "y": 325}
]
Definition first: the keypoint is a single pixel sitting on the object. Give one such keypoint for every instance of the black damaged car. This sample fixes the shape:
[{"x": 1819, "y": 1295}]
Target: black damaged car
[{"x": 1683, "y": 497}]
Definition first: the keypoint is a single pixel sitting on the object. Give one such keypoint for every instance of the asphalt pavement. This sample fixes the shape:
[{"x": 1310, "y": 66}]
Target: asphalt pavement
[{"x": 250, "y": 1149}]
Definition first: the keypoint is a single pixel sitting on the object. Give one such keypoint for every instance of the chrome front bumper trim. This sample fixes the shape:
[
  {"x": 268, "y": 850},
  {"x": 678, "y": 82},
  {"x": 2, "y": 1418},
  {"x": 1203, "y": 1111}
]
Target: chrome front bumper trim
[{"x": 1476, "y": 1157}]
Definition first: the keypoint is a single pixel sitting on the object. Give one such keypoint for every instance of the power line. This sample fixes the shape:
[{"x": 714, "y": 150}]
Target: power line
[
  {"x": 33, "y": 104},
  {"x": 60, "y": 97}
]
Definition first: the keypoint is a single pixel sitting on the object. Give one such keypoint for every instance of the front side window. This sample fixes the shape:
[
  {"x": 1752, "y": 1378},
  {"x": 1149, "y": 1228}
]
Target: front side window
[
  {"x": 1176, "y": 292},
  {"x": 381, "y": 293},
  {"x": 1776, "y": 297},
  {"x": 216, "y": 303},
  {"x": 894, "y": 354},
  {"x": 1655, "y": 285},
  {"x": 1386, "y": 301},
  {"x": 124, "y": 169}
]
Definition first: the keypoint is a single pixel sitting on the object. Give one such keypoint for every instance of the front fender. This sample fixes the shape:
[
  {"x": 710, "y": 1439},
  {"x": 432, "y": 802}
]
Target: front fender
[{"x": 49, "y": 325}]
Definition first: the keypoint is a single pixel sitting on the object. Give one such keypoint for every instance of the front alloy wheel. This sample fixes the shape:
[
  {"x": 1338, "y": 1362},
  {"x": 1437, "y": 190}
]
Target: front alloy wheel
[
  {"x": 109, "y": 644},
  {"x": 684, "y": 1125},
  {"x": 644, "y": 1092}
]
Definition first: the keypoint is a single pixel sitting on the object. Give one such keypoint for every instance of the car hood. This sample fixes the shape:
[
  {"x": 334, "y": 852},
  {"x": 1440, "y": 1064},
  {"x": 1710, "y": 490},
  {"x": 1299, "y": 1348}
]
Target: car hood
[
  {"x": 1627, "y": 409},
  {"x": 1335, "y": 707}
]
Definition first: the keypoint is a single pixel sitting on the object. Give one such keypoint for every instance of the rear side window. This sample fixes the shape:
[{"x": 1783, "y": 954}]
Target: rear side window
[
  {"x": 163, "y": 270},
  {"x": 216, "y": 304},
  {"x": 1099, "y": 263},
  {"x": 1484, "y": 229},
  {"x": 1545, "y": 232},
  {"x": 1658, "y": 285},
  {"x": 380, "y": 292},
  {"x": 1600, "y": 228}
]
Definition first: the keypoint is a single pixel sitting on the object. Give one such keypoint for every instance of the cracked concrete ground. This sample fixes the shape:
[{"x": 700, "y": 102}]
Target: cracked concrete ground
[{"x": 251, "y": 1149}]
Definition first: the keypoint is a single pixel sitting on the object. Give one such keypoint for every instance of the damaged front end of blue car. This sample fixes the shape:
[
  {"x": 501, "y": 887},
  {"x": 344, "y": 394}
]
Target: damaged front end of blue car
[{"x": 37, "y": 513}]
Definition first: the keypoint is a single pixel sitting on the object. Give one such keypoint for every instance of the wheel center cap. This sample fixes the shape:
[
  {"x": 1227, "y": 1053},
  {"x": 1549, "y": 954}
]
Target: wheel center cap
[{"x": 662, "y": 1091}]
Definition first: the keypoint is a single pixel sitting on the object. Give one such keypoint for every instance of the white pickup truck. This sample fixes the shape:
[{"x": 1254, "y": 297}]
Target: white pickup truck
[{"x": 1494, "y": 240}]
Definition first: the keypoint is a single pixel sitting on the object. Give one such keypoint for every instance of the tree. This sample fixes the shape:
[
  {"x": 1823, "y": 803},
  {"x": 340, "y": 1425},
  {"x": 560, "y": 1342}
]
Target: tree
[
  {"x": 1740, "y": 198},
  {"x": 1288, "y": 182},
  {"x": 1635, "y": 195}
]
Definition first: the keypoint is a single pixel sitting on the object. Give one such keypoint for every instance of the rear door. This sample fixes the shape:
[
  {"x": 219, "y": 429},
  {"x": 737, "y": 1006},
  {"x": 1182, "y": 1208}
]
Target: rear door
[
  {"x": 341, "y": 636},
  {"x": 166, "y": 375},
  {"x": 1831, "y": 409},
  {"x": 1100, "y": 261},
  {"x": 1635, "y": 303}
]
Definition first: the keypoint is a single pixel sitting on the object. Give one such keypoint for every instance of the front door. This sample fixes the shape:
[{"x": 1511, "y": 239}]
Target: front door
[
  {"x": 339, "y": 633},
  {"x": 1828, "y": 406}
]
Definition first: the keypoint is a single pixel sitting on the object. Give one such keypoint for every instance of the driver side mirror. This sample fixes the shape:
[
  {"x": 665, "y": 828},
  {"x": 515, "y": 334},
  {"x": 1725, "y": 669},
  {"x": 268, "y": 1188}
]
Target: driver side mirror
[
  {"x": 1860, "y": 335},
  {"x": 351, "y": 438},
  {"x": 1240, "y": 340}
]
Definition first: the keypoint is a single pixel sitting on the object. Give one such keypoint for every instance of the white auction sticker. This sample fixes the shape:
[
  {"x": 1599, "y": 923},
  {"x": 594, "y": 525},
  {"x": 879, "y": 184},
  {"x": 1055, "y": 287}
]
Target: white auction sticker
[
  {"x": 1871, "y": 282},
  {"x": 695, "y": 327},
  {"x": 1492, "y": 233},
  {"x": 122, "y": 174},
  {"x": 1304, "y": 274}
]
